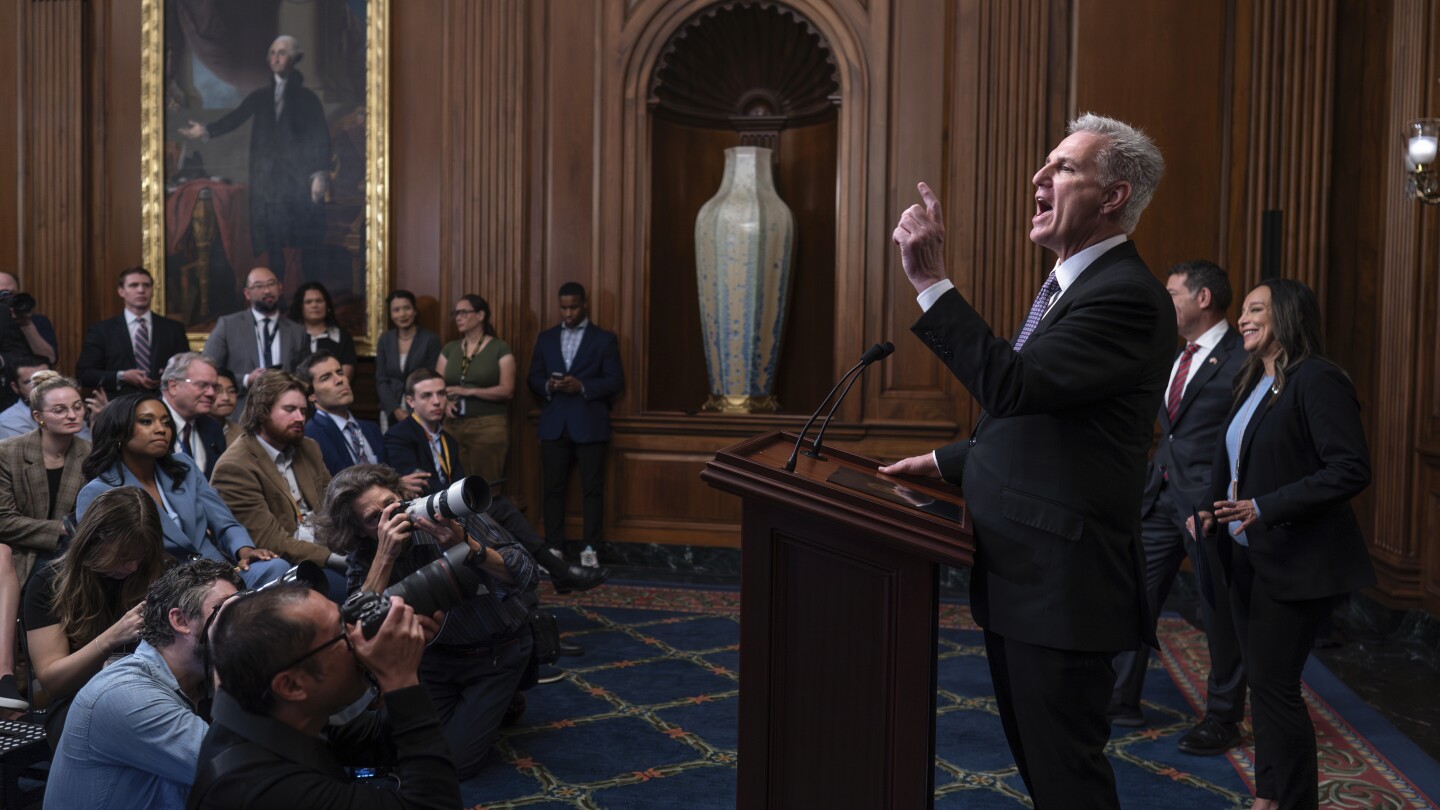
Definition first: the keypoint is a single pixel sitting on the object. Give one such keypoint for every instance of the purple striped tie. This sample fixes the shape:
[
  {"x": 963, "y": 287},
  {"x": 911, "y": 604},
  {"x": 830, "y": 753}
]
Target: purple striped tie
[
  {"x": 142, "y": 347},
  {"x": 1037, "y": 309},
  {"x": 1177, "y": 385}
]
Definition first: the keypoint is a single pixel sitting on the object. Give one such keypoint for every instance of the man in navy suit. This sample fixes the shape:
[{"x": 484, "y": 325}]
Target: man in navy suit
[
  {"x": 420, "y": 445},
  {"x": 344, "y": 439},
  {"x": 127, "y": 353},
  {"x": 575, "y": 371},
  {"x": 1054, "y": 470},
  {"x": 1199, "y": 396},
  {"x": 187, "y": 386}
]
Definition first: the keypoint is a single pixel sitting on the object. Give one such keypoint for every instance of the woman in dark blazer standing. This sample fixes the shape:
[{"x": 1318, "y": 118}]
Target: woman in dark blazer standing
[
  {"x": 404, "y": 347},
  {"x": 1292, "y": 457}
]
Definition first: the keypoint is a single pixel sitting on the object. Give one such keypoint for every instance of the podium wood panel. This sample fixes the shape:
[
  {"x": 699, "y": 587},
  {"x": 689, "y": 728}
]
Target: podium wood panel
[{"x": 838, "y": 630}]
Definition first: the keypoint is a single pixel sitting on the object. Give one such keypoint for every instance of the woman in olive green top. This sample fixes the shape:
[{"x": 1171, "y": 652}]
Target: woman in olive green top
[{"x": 479, "y": 373}]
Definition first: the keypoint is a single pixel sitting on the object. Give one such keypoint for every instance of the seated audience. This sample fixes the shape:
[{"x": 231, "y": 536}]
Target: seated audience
[
  {"x": 132, "y": 738},
  {"x": 313, "y": 309},
  {"x": 1289, "y": 541},
  {"x": 422, "y": 443},
  {"x": 85, "y": 606},
  {"x": 283, "y": 672},
  {"x": 126, "y": 353},
  {"x": 19, "y": 418},
  {"x": 479, "y": 372},
  {"x": 273, "y": 478},
  {"x": 343, "y": 438},
  {"x": 227, "y": 394},
  {"x": 405, "y": 347},
  {"x": 475, "y": 666},
  {"x": 188, "y": 387},
  {"x": 132, "y": 444}
]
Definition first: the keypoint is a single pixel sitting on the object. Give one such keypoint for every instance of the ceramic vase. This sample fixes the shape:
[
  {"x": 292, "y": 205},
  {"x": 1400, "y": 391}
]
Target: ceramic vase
[{"x": 744, "y": 243}]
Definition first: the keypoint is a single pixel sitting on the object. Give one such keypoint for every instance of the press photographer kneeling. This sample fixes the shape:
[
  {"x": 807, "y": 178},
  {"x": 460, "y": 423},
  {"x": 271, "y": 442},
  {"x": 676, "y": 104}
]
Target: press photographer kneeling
[
  {"x": 286, "y": 661},
  {"x": 475, "y": 665}
]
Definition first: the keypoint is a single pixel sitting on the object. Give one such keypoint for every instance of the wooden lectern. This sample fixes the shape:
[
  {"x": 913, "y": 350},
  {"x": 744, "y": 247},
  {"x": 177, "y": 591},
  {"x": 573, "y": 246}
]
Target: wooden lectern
[{"x": 838, "y": 626}]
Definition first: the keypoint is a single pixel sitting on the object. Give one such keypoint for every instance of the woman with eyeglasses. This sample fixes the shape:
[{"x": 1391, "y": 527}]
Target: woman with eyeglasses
[
  {"x": 39, "y": 479},
  {"x": 404, "y": 347},
  {"x": 227, "y": 396},
  {"x": 313, "y": 308},
  {"x": 85, "y": 607},
  {"x": 479, "y": 372},
  {"x": 134, "y": 437}
]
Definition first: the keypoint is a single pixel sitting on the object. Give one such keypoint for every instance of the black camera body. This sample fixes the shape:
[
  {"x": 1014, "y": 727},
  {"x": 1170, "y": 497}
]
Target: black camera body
[
  {"x": 20, "y": 303},
  {"x": 441, "y": 585}
]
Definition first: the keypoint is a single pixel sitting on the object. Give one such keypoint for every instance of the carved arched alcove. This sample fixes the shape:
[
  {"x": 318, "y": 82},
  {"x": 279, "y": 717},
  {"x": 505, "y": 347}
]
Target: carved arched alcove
[{"x": 741, "y": 73}]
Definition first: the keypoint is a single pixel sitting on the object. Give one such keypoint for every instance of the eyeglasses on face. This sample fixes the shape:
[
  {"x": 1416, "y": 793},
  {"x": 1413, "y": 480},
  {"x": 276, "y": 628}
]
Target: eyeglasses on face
[
  {"x": 204, "y": 386},
  {"x": 460, "y": 313},
  {"x": 63, "y": 410},
  {"x": 264, "y": 285}
]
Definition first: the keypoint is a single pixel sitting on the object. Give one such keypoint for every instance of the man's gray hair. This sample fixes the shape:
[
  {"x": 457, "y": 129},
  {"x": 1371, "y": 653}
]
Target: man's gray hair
[
  {"x": 1129, "y": 155},
  {"x": 294, "y": 44},
  {"x": 178, "y": 369}
]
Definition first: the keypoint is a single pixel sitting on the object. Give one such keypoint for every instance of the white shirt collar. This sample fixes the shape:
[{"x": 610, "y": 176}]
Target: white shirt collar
[
  {"x": 577, "y": 327},
  {"x": 260, "y": 316},
  {"x": 269, "y": 449},
  {"x": 1212, "y": 336},
  {"x": 1067, "y": 271},
  {"x": 340, "y": 421},
  {"x": 131, "y": 318},
  {"x": 180, "y": 421}
]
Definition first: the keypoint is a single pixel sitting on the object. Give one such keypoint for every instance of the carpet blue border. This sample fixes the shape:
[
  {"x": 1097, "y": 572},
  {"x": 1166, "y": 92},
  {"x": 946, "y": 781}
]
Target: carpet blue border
[{"x": 1385, "y": 739}]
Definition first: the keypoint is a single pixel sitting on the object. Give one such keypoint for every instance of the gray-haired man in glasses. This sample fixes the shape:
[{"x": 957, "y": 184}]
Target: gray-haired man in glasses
[{"x": 285, "y": 664}]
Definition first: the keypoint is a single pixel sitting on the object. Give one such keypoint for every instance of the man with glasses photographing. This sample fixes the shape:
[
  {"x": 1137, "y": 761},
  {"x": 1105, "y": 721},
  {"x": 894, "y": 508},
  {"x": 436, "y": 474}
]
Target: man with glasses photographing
[
  {"x": 258, "y": 337},
  {"x": 476, "y": 665},
  {"x": 285, "y": 663}
]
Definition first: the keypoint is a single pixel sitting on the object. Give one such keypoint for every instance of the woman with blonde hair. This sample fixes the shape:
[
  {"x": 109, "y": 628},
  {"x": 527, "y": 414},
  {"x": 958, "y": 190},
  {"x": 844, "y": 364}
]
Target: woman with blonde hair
[{"x": 86, "y": 606}]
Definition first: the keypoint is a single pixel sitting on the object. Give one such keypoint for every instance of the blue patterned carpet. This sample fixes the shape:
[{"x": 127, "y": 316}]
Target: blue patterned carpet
[{"x": 647, "y": 719}]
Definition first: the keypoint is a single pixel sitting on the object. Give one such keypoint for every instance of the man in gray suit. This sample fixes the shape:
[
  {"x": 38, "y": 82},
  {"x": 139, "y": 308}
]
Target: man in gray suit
[
  {"x": 257, "y": 338},
  {"x": 1198, "y": 399}
]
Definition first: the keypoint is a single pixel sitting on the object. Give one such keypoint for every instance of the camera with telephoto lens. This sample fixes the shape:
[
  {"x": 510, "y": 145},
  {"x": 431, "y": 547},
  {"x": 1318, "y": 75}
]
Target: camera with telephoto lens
[
  {"x": 441, "y": 585},
  {"x": 20, "y": 303},
  {"x": 466, "y": 497}
]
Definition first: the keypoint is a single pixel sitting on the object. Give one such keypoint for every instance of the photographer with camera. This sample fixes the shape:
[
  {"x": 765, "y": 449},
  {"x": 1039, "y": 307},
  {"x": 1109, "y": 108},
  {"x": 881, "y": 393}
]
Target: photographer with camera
[
  {"x": 475, "y": 666},
  {"x": 283, "y": 671},
  {"x": 22, "y": 331}
]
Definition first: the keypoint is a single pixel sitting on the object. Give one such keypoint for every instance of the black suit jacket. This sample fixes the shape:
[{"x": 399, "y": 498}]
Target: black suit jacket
[
  {"x": 108, "y": 350},
  {"x": 1187, "y": 446},
  {"x": 409, "y": 450},
  {"x": 210, "y": 432},
  {"x": 1302, "y": 458},
  {"x": 1054, "y": 473}
]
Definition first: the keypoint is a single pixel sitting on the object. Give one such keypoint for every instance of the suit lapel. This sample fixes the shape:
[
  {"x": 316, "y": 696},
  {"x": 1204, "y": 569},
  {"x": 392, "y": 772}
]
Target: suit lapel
[
  {"x": 306, "y": 475},
  {"x": 1261, "y": 411},
  {"x": 262, "y": 462},
  {"x": 72, "y": 480},
  {"x": 1207, "y": 370},
  {"x": 37, "y": 485},
  {"x": 1124, "y": 250}
]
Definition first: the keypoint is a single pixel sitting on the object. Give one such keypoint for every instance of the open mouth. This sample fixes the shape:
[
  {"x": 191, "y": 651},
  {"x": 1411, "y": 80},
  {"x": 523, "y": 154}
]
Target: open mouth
[{"x": 1042, "y": 207}]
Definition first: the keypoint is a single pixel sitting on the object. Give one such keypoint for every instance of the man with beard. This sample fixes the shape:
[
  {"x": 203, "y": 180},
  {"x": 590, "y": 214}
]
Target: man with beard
[
  {"x": 255, "y": 339},
  {"x": 289, "y": 156},
  {"x": 187, "y": 386},
  {"x": 132, "y": 738},
  {"x": 273, "y": 477}
]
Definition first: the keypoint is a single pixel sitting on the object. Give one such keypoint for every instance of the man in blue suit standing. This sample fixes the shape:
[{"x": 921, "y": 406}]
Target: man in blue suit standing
[{"x": 575, "y": 371}]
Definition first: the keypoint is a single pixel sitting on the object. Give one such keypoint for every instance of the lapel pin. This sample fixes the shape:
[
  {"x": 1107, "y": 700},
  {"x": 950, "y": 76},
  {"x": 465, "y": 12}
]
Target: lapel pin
[{"x": 1213, "y": 361}]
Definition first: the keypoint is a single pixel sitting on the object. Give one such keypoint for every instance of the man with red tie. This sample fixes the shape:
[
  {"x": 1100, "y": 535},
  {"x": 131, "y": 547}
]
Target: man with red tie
[{"x": 1178, "y": 480}]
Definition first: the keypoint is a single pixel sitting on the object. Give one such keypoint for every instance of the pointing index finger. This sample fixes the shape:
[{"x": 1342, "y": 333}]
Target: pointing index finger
[{"x": 932, "y": 203}]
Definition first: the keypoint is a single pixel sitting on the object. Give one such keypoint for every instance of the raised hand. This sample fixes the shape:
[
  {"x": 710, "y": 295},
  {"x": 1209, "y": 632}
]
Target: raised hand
[{"x": 921, "y": 237}]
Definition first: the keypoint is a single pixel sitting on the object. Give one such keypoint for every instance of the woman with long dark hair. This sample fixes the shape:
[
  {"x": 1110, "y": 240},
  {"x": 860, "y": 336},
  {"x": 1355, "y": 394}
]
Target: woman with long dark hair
[
  {"x": 404, "y": 347},
  {"x": 85, "y": 606},
  {"x": 1292, "y": 458},
  {"x": 313, "y": 308},
  {"x": 479, "y": 372},
  {"x": 133, "y": 438}
]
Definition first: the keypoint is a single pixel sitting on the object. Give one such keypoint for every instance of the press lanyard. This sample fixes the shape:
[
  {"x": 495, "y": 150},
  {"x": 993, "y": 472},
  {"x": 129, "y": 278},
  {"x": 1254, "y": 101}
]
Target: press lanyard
[{"x": 444, "y": 455}]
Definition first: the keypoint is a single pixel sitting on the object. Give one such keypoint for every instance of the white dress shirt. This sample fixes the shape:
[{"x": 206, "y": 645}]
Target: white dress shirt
[
  {"x": 1206, "y": 343},
  {"x": 197, "y": 445},
  {"x": 341, "y": 422}
]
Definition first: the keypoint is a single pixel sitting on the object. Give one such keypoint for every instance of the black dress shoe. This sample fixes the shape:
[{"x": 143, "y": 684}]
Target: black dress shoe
[
  {"x": 1209, "y": 738},
  {"x": 568, "y": 577},
  {"x": 569, "y": 648},
  {"x": 1124, "y": 716}
]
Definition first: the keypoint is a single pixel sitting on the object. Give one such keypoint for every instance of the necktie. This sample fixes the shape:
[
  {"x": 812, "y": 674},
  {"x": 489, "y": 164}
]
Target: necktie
[
  {"x": 357, "y": 444},
  {"x": 442, "y": 467},
  {"x": 142, "y": 347},
  {"x": 1037, "y": 309},
  {"x": 1177, "y": 385},
  {"x": 185, "y": 441},
  {"x": 269, "y": 338}
]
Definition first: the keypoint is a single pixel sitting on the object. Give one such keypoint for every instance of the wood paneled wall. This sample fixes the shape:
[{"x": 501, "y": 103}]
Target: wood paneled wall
[{"x": 524, "y": 156}]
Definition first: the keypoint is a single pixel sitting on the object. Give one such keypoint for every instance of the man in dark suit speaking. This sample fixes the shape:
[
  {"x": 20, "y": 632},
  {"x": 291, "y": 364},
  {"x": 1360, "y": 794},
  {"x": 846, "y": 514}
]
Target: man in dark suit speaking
[
  {"x": 1197, "y": 400},
  {"x": 126, "y": 353},
  {"x": 1054, "y": 470}
]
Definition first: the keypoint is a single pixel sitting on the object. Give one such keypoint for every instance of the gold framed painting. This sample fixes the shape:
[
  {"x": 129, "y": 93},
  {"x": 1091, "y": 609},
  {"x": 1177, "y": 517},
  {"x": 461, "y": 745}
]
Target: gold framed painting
[{"x": 263, "y": 144}]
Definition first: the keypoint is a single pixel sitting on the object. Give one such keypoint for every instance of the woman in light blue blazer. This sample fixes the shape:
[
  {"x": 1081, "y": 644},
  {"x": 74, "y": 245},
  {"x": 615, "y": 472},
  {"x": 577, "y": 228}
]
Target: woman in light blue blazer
[{"x": 132, "y": 447}]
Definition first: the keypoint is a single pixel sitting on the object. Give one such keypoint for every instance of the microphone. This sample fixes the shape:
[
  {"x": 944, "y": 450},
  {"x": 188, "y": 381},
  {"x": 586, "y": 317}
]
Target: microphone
[
  {"x": 873, "y": 357},
  {"x": 877, "y": 352}
]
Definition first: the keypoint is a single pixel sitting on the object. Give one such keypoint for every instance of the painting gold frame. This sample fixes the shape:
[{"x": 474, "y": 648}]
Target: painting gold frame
[{"x": 377, "y": 171}]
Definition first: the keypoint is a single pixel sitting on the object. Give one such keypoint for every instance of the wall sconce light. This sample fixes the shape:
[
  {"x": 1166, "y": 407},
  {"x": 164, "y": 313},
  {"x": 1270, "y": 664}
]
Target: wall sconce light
[{"x": 1422, "y": 141}]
